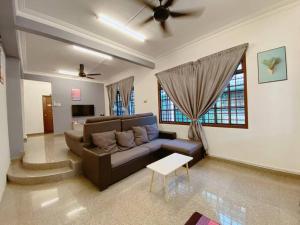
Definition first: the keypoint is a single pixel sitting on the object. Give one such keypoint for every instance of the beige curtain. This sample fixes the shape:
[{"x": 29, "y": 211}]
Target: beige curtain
[
  {"x": 195, "y": 86},
  {"x": 112, "y": 92},
  {"x": 125, "y": 87}
]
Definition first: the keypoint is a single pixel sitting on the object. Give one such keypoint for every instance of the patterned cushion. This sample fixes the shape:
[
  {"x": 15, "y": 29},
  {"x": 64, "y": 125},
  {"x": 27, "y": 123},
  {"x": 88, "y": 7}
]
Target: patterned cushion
[{"x": 198, "y": 219}]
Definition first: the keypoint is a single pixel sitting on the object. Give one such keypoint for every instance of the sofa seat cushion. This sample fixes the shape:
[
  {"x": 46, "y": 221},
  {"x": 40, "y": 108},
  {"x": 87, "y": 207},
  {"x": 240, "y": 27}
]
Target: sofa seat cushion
[
  {"x": 156, "y": 144},
  {"x": 186, "y": 147},
  {"x": 75, "y": 135},
  {"x": 123, "y": 157}
]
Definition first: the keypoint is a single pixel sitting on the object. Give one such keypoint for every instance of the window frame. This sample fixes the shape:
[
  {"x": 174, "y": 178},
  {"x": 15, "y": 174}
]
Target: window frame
[{"x": 238, "y": 126}]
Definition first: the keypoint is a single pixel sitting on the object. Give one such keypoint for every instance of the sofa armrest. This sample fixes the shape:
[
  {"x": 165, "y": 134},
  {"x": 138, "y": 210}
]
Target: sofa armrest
[
  {"x": 74, "y": 141},
  {"x": 97, "y": 167},
  {"x": 74, "y": 135},
  {"x": 167, "y": 135}
]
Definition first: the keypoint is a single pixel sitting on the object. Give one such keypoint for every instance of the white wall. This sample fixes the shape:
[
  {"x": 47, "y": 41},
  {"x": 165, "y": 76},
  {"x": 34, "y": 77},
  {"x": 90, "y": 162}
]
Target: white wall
[
  {"x": 273, "y": 137},
  {"x": 91, "y": 94},
  {"x": 4, "y": 142},
  {"x": 33, "y": 105}
]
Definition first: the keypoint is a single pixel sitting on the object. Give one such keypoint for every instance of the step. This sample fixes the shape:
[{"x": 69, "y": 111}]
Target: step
[
  {"x": 46, "y": 166},
  {"x": 20, "y": 175},
  {"x": 41, "y": 156}
]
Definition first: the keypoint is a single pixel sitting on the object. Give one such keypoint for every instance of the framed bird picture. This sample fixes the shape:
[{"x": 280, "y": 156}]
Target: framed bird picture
[{"x": 272, "y": 65}]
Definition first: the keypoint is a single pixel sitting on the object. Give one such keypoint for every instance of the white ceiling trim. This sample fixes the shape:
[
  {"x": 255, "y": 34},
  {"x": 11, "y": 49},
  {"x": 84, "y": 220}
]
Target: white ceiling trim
[
  {"x": 282, "y": 6},
  {"x": 34, "y": 73}
]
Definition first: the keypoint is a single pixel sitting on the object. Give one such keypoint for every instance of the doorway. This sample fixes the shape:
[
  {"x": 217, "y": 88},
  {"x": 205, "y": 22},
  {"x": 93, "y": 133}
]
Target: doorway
[{"x": 47, "y": 114}]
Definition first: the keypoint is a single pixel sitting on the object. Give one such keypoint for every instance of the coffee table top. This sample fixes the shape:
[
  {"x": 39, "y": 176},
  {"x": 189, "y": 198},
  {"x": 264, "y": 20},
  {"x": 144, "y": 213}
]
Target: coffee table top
[{"x": 169, "y": 164}]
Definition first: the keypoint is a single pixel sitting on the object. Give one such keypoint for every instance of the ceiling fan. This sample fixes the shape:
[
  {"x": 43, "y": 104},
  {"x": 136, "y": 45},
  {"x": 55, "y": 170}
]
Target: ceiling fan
[
  {"x": 162, "y": 12},
  {"x": 83, "y": 74}
]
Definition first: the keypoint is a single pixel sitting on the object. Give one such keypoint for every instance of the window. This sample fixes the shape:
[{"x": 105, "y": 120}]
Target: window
[
  {"x": 118, "y": 109},
  {"x": 230, "y": 110}
]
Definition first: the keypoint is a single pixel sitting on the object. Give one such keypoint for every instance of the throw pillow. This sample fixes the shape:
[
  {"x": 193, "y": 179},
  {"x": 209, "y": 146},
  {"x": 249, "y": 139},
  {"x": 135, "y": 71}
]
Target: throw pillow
[
  {"x": 152, "y": 131},
  {"x": 140, "y": 135},
  {"x": 125, "y": 140},
  {"x": 106, "y": 141}
]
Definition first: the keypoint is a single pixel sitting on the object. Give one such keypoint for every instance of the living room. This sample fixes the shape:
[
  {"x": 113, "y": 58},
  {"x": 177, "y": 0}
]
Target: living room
[{"x": 219, "y": 85}]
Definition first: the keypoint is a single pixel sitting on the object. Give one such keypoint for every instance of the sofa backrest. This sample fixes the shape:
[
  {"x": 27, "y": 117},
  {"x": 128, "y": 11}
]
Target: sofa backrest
[
  {"x": 101, "y": 119},
  {"x": 109, "y": 123},
  {"x": 127, "y": 124},
  {"x": 90, "y": 128},
  {"x": 136, "y": 116},
  {"x": 107, "y": 118}
]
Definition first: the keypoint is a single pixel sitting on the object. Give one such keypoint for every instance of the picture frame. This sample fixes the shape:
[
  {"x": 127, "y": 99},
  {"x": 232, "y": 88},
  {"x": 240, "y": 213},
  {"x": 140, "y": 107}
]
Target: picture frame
[
  {"x": 76, "y": 94},
  {"x": 272, "y": 65}
]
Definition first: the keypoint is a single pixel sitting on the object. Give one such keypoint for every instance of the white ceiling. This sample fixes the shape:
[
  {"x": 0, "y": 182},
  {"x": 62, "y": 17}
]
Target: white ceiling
[{"x": 46, "y": 55}]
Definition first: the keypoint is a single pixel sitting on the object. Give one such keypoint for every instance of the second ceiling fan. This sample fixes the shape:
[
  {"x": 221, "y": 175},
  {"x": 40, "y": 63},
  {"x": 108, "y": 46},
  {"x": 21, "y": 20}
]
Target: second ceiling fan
[
  {"x": 83, "y": 74},
  {"x": 162, "y": 12}
]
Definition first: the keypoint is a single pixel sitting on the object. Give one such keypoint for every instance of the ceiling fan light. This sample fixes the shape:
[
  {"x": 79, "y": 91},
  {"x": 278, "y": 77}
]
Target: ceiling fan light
[
  {"x": 120, "y": 27},
  {"x": 91, "y": 52}
]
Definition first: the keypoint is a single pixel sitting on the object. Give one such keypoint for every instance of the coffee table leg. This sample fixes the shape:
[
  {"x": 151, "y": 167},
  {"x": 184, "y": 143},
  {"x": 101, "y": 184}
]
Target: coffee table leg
[
  {"x": 187, "y": 171},
  {"x": 151, "y": 181},
  {"x": 165, "y": 186}
]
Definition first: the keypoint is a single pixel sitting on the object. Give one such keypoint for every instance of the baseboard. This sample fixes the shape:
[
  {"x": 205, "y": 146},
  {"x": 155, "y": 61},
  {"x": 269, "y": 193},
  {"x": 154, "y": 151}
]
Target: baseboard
[
  {"x": 35, "y": 134},
  {"x": 257, "y": 166}
]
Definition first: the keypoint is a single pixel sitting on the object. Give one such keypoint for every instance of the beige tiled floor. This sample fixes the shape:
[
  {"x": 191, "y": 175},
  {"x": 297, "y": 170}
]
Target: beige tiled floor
[
  {"x": 228, "y": 193},
  {"x": 47, "y": 149}
]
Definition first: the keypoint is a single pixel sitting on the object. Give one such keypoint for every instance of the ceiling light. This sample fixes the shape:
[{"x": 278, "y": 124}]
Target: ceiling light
[
  {"x": 120, "y": 27},
  {"x": 68, "y": 72},
  {"x": 104, "y": 56}
]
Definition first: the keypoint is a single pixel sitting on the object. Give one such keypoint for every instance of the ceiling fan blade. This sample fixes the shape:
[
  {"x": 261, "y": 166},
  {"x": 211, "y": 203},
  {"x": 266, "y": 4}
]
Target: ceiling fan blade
[
  {"x": 169, "y": 3},
  {"x": 146, "y": 3},
  {"x": 165, "y": 29},
  {"x": 94, "y": 74},
  {"x": 146, "y": 21},
  {"x": 90, "y": 78},
  {"x": 194, "y": 13}
]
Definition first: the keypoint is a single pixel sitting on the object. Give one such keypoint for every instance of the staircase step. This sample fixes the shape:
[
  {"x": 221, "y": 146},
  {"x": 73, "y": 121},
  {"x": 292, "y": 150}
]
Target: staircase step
[
  {"x": 46, "y": 166},
  {"x": 20, "y": 175}
]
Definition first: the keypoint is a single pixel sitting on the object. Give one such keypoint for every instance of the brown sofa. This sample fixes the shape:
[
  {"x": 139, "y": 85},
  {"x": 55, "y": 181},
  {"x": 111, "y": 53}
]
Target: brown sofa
[
  {"x": 104, "y": 169},
  {"x": 75, "y": 139}
]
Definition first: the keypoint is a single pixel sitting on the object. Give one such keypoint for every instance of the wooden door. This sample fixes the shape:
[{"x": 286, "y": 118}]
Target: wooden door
[{"x": 47, "y": 114}]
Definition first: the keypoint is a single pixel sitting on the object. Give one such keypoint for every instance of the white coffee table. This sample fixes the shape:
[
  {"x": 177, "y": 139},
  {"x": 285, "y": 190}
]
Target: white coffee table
[{"x": 168, "y": 165}]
